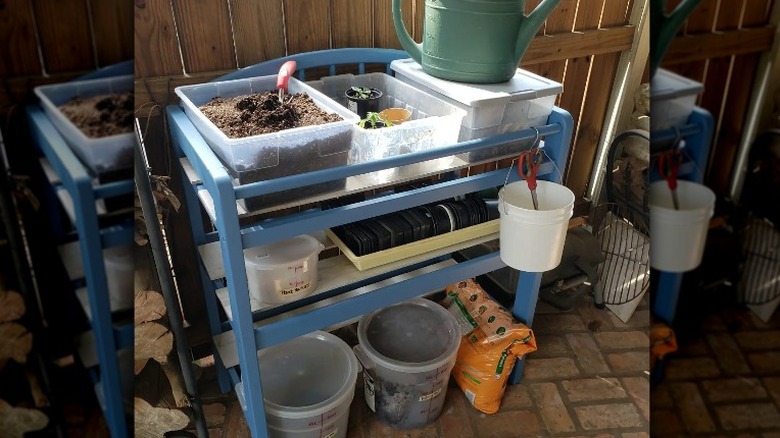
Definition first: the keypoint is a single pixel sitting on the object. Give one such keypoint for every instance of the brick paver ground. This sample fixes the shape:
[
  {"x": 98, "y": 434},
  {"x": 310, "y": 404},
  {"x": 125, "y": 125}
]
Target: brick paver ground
[
  {"x": 723, "y": 381},
  {"x": 590, "y": 377}
]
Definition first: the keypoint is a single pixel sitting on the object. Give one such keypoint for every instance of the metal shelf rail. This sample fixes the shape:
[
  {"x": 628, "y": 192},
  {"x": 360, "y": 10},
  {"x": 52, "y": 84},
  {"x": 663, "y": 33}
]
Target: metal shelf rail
[
  {"x": 79, "y": 194},
  {"x": 336, "y": 301}
]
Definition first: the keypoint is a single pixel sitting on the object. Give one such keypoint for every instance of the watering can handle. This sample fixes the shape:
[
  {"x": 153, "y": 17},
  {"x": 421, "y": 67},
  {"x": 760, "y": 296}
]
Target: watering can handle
[
  {"x": 412, "y": 48},
  {"x": 664, "y": 28},
  {"x": 531, "y": 25}
]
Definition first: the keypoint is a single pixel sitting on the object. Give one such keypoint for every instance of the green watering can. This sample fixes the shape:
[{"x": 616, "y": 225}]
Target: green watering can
[
  {"x": 477, "y": 41},
  {"x": 664, "y": 27}
]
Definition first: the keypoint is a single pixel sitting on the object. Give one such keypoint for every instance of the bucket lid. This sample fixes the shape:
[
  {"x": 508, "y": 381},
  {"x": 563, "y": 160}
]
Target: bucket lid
[
  {"x": 307, "y": 376},
  {"x": 524, "y": 85},
  {"x": 282, "y": 252},
  {"x": 412, "y": 336},
  {"x": 668, "y": 85}
]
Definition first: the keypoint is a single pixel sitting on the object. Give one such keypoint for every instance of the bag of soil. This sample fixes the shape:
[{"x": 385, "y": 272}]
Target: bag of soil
[{"x": 491, "y": 343}]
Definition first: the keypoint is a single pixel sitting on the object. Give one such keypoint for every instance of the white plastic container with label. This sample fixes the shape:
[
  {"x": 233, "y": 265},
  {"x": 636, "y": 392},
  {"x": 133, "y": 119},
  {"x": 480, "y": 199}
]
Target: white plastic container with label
[{"x": 283, "y": 271}]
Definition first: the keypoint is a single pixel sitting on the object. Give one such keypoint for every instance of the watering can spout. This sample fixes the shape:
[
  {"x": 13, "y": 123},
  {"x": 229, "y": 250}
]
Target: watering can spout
[
  {"x": 531, "y": 24},
  {"x": 412, "y": 48},
  {"x": 664, "y": 27}
]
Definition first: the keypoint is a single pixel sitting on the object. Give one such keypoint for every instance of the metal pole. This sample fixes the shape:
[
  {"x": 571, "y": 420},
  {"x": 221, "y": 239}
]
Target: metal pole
[{"x": 144, "y": 190}]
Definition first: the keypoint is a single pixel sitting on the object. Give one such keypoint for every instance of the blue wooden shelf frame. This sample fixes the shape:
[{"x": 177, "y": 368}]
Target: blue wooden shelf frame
[
  {"x": 234, "y": 238},
  {"x": 92, "y": 239}
]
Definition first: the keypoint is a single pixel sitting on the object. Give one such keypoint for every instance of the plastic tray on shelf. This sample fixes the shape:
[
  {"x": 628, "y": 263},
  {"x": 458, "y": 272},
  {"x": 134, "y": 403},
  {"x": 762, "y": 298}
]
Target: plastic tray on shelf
[
  {"x": 434, "y": 122},
  {"x": 266, "y": 156},
  {"x": 100, "y": 155}
]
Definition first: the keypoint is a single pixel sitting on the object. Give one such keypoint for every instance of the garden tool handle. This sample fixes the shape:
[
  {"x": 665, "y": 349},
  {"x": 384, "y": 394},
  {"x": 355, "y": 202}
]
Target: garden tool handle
[
  {"x": 668, "y": 167},
  {"x": 285, "y": 72},
  {"x": 532, "y": 159}
]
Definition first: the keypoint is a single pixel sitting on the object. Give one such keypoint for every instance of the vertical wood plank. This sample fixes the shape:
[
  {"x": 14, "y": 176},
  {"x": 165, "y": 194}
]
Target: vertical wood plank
[
  {"x": 729, "y": 14},
  {"x": 702, "y": 17},
  {"x": 156, "y": 46},
  {"x": 715, "y": 87},
  {"x": 308, "y": 25},
  {"x": 258, "y": 27},
  {"x": 591, "y": 122},
  {"x": 725, "y": 150},
  {"x": 112, "y": 24},
  {"x": 205, "y": 35},
  {"x": 64, "y": 30},
  {"x": 561, "y": 20},
  {"x": 351, "y": 23},
  {"x": 419, "y": 20},
  {"x": 384, "y": 31},
  {"x": 19, "y": 52},
  {"x": 756, "y": 12}
]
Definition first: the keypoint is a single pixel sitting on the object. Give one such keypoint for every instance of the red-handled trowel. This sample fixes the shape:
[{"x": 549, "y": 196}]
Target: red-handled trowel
[{"x": 283, "y": 78}]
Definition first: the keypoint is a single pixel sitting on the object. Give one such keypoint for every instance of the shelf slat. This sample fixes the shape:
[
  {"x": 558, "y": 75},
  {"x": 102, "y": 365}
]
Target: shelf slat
[{"x": 226, "y": 344}]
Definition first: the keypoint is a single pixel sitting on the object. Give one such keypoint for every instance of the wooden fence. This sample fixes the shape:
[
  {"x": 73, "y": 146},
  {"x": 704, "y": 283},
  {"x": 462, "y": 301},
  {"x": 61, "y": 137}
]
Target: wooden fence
[
  {"x": 48, "y": 41},
  {"x": 189, "y": 41},
  {"x": 720, "y": 45}
]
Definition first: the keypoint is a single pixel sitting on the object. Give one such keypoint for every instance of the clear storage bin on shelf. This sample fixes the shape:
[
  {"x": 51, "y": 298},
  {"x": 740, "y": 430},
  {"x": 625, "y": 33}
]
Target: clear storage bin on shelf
[
  {"x": 434, "y": 122},
  {"x": 268, "y": 156},
  {"x": 491, "y": 109},
  {"x": 672, "y": 98},
  {"x": 100, "y": 155}
]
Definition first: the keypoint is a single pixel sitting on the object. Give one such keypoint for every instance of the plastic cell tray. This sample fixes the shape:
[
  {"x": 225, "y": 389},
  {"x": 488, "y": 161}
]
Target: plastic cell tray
[{"x": 100, "y": 155}]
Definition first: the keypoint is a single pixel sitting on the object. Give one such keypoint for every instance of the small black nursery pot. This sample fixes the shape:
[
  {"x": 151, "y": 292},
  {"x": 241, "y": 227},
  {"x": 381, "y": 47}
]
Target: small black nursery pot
[{"x": 362, "y": 100}]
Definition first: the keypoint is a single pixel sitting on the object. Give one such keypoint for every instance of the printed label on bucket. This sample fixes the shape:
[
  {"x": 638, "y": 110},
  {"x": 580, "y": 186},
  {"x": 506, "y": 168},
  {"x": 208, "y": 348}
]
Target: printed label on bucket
[
  {"x": 431, "y": 395},
  {"x": 296, "y": 287},
  {"x": 368, "y": 391}
]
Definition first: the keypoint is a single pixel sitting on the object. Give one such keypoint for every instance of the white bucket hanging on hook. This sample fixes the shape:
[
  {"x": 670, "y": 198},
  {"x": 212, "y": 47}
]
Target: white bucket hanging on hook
[
  {"x": 678, "y": 237},
  {"x": 532, "y": 240}
]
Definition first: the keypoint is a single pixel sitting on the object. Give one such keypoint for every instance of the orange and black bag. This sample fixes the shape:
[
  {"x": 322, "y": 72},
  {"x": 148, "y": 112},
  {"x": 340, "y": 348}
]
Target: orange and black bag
[{"x": 491, "y": 343}]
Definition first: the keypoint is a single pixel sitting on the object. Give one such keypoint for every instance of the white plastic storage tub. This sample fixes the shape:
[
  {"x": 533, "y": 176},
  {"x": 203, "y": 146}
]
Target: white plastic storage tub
[
  {"x": 102, "y": 154},
  {"x": 308, "y": 386},
  {"x": 283, "y": 271},
  {"x": 525, "y": 100},
  {"x": 268, "y": 156},
  {"x": 672, "y": 98},
  {"x": 434, "y": 121}
]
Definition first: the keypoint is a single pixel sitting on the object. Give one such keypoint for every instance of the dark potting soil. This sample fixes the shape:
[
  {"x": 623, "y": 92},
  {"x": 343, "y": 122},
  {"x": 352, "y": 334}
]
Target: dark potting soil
[
  {"x": 101, "y": 116},
  {"x": 263, "y": 113}
]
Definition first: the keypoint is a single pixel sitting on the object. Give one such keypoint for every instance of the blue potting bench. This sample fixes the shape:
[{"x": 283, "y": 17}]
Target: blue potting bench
[
  {"x": 72, "y": 188},
  {"x": 343, "y": 293}
]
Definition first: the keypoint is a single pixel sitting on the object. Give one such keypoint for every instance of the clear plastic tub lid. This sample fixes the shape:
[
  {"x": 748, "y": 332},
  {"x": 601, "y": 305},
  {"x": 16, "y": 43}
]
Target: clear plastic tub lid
[
  {"x": 668, "y": 85},
  {"x": 523, "y": 86},
  {"x": 282, "y": 252}
]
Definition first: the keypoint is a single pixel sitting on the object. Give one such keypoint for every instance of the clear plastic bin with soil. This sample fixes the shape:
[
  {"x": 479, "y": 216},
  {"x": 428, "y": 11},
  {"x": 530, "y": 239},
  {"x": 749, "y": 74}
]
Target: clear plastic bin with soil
[
  {"x": 263, "y": 113},
  {"x": 103, "y": 116}
]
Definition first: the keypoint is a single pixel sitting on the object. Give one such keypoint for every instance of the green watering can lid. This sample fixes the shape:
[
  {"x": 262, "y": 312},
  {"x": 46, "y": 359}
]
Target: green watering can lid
[
  {"x": 668, "y": 85},
  {"x": 523, "y": 86}
]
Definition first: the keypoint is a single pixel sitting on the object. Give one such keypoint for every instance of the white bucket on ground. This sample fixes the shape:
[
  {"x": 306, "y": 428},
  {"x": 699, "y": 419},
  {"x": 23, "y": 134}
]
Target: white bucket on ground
[
  {"x": 308, "y": 386},
  {"x": 407, "y": 351},
  {"x": 677, "y": 237},
  {"x": 532, "y": 240}
]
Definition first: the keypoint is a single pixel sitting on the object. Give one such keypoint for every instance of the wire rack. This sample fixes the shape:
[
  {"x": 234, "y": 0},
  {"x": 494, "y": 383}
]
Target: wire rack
[
  {"x": 622, "y": 226},
  {"x": 760, "y": 280}
]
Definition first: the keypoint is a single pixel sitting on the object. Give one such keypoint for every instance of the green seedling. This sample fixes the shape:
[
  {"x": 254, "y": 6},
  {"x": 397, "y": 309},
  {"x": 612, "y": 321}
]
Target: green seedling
[
  {"x": 373, "y": 118},
  {"x": 361, "y": 92}
]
